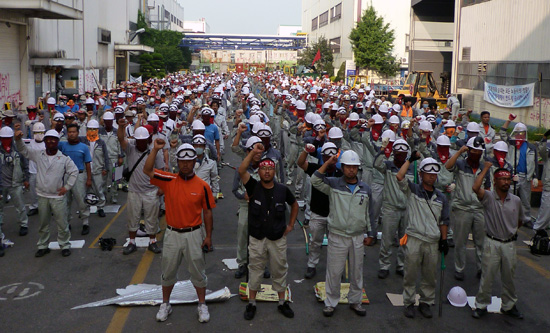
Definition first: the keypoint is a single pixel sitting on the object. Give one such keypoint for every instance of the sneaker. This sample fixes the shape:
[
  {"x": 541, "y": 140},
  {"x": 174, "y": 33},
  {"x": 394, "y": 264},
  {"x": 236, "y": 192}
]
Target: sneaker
[
  {"x": 358, "y": 309},
  {"x": 478, "y": 313},
  {"x": 310, "y": 273},
  {"x": 409, "y": 311},
  {"x": 328, "y": 311},
  {"x": 85, "y": 229},
  {"x": 400, "y": 272},
  {"x": 513, "y": 312},
  {"x": 32, "y": 212},
  {"x": 130, "y": 249},
  {"x": 267, "y": 275},
  {"x": 66, "y": 252},
  {"x": 153, "y": 247},
  {"x": 459, "y": 276},
  {"x": 164, "y": 311},
  {"x": 100, "y": 212},
  {"x": 250, "y": 311},
  {"x": 383, "y": 273},
  {"x": 23, "y": 231},
  {"x": 41, "y": 252},
  {"x": 202, "y": 311},
  {"x": 241, "y": 272},
  {"x": 286, "y": 310},
  {"x": 450, "y": 242},
  {"x": 2, "y": 252},
  {"x": 425, "y": 310}
]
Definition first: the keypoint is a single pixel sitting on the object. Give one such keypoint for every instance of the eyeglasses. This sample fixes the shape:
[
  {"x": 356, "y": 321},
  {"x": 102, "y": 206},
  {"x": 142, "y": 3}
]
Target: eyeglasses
[
  {"x": 432, "y": 167},
  {"x": 330, "y": 151},
  {"x": 186, "y": 154}
]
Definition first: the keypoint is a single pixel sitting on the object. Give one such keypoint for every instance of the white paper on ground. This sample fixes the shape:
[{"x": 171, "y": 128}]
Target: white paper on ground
[
  {"x": 93, "y": 209},
  {"x": 494, "y": 307},
  {"x": 231, "y": 263},
  {"x": 397, "y": 299},
  {"x": 78, "y": 244},
  {"x": 529, "y": 243},
  {"x": 111, "y": 209},
  {"x": 140, "y": 242}
]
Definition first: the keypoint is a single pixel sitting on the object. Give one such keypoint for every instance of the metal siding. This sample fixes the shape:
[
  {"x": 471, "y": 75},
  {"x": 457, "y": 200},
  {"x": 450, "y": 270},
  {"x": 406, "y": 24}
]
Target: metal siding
[
  {"x": 10, "y": 69},
  {"x": 516, "y": 30}
]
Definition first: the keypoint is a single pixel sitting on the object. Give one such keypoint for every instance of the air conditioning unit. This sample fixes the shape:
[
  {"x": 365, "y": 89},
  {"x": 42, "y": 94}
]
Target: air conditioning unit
[
  {"x": 61, "y": 54},
  {"x": 103, "y": 36},
  {"x": 404, "y": 60}
]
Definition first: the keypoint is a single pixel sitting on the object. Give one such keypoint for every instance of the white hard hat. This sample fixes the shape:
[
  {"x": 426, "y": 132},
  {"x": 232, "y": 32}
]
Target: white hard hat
[
  {"x": 501, "y": 146},
  {"x": 89, "y": 101},
  {"x": 197, "y": 125},
  {"x": 449, "y": 123},
  {"x": 52, "y": 133},
  {"x": 335, "y": 133},
  {"x": 91, "y": 199},
  {"x": 430, "y": 165},
  {"x": 186, "y": 152},
  {"x": 354, "y": 116},
  {"x": 252, "y": 141},
  {"x": 389, "y": 134},
  {"x": 378, "y": 119},
  {"x": 383, "y": 108},
  {"x": 329, "y": 149},
  {"x": 254, "y": 119},
  {"x": 401, "y": 145},
  {"x": 122, "y": 94},
  {"x": 108, "y": 116},
  {"x": 457, "y": 297},
  {"x": 119, "y": 109},
  {"x": 425, "y": 126},
  {"x": 6, "y": 132},
  {"x": 396, "y": 107},
  {"x": 256, "y": 127},
  {"x": 349, "y": 157},
  {"x": 475, "y": 145},
  {"x": 38, "y": 127},
  {"x": 473, "y": 127},
  {"x": 207, "y": 112},
  {"x": 310, "y": 117},
  {"x": 394, "y": 120},
  {"x": 153, "y": 117},
  {"x": 520, "y": 127},
  {"x": 443, "y": 140},
  {"x": 58, "y": 117},
  {"x": 141, "y": 133},
  {"x": 51, "y": 100},
  {"x": 92, "y": 124},
  {"x": 198, "y": 139},
  {"x": 300, "y": 105},
  {"x": 405, "y": 124},
  {"x": 164, "y": 107},
  {"x": 264, "y": 131}
]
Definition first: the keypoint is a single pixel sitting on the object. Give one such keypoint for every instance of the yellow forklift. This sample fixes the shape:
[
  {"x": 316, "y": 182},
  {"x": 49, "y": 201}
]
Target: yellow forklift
[{"x": 421, "y": 84}]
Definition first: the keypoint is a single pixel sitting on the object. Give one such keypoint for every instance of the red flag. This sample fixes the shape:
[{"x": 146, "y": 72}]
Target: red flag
[{"x": 317, "y": 57}]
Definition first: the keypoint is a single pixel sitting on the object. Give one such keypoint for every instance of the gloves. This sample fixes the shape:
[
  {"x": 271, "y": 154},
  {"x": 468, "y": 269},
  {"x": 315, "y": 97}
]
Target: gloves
[
  {"x": 309, "y": 148},
  {"x": 385, "y": 142},
  {"x": 443, "y": 121},
  {"x": 535, "y": 182},
  {"x": 459, "y": 129},
  {"x": 414, "y": 156},
  {"x": 515, "y": 178},
  {"x": 443, "y": 246},
  {"x": 450, "y": 188},
  {"x": 487, "y": 140},
  {"x": 512, "y": 116}
]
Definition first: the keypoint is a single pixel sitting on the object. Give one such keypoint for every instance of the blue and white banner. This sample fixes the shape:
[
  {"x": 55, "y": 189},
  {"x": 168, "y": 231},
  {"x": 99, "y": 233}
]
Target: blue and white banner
[{"x": 510, "y": 96}]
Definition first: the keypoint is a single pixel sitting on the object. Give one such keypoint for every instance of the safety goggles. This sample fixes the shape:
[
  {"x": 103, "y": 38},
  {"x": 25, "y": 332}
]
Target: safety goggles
[
  {"x": 320, "y": 127},
  {"x": 198, "y": 141},
  {"x": 401, "y": 147},
  {"x": 330, "y": 151},
  {"x": 431, "y": 168},
  {"x": 264, "y": 133},
  {"x": 186, "y": 154}
]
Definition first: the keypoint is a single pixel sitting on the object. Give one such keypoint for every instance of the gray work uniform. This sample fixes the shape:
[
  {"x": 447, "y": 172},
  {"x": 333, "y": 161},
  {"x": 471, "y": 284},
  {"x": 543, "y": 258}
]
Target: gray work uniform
[
  {"x": 114, "y": 152},
  {"x": 543, "y": 219},
  {"x": 499, "y": 249},
  {"x": 425, "y": 216},
  {"x": 14, "y": 170},
  {"x": 100, "y": 162}
]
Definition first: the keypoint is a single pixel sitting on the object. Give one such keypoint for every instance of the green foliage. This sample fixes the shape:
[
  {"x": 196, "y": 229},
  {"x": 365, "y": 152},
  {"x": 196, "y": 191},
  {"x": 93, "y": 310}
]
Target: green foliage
[
  {"x": 165, "y": 43},
  {"x": 341, "y": 75},
  {"x": 308, "y": 54},
  {"x": 152, "y": 65},
  {"x": 372, "y": 43}
]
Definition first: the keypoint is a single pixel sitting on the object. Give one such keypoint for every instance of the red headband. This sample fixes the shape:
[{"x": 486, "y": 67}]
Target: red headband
[
  {"x": 268, "y": 163},
  {"x": 502, "y": 173}
]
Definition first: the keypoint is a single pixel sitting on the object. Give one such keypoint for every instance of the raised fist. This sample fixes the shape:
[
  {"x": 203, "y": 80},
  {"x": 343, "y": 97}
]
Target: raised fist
[{"x": 512, "y": 116}]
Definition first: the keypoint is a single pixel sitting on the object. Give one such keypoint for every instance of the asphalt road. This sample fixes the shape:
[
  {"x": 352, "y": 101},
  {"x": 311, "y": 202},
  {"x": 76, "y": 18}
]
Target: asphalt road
[{"x": 37, "y": 294}]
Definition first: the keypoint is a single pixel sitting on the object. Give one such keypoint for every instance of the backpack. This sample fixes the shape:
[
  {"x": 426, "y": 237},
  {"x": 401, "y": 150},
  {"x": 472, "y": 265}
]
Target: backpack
[{"x": 540, "y": 243}]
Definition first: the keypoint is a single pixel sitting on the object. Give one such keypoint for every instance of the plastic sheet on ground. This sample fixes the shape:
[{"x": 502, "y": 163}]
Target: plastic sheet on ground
[
  {"x": 397, "y": 299},
  {"x": 266, "y": 293},
  {"x": 147, "y": 294},
  {"x": 321, "y": 295},
  {"x": 140, "y": 242},
  {"x": 111, "y": 209},
  {"x": 77, "y": 244},
  {"x": 231, "y": 263},
  {"x": 494, "y": 307}
]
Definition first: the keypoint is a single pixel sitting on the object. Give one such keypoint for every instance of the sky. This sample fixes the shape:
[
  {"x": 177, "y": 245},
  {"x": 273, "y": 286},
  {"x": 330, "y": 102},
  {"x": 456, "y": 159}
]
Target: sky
[{"x": 260, "y": 17}]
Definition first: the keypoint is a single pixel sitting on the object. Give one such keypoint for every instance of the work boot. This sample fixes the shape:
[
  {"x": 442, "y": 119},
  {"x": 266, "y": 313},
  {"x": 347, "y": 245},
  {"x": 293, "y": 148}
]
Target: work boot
[
  {"x": 85, "y": 229},
  {"x": 383, "y": 273},
  {"x": 267, "y": 275},
  {"x": 23, "y": 231},
  {"x": 358, "y": 309},
  {"x": 129, "y": 249},
  {"x": 425, "y": 310},
  {"x": 400, "y": 272},
  {"x": 66, "y": 252},
  {"x": 241, "y": 271},
  {"x": 513, "y": 312},
  {"x": 459, "y": 276},
  {"x": 100, "y": 212},
  {"x": 250, "y": 311},
  {"x": 153, "y": 247},
  {"x": 478, "y": 313},
  {"x": 42, "y": 252},
  {"x": 328, "y": 311},
  {"x": 409, "y": 311},
  {"x": 310, "y": 273},
  {"x": 286, "y": 310},
  {"x": 32, "y": 212}
]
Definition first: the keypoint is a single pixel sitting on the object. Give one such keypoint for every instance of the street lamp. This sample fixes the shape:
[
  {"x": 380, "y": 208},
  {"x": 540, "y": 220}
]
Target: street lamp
[{"x": 137, "y": 32}]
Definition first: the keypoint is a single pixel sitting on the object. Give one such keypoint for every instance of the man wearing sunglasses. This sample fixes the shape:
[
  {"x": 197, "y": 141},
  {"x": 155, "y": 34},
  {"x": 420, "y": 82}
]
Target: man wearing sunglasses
[
  {"x": 187, "y": 199},
  {"x": 426, "y": 233}
]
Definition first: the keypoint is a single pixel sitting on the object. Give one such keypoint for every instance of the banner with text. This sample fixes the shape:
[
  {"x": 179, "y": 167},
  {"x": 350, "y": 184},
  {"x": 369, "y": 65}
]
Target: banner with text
[{"x": 509, "y": 96}]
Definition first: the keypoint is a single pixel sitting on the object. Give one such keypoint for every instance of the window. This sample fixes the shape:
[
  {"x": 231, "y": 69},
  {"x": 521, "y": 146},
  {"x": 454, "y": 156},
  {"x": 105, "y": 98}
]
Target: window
[
  {"x": 336, "y": 12},
  {"x": 335, "y": 45},
  {"x": 323, "y": 19},
  {"x": 466, "y": 51},
  {"x": 314, "y": 24}
]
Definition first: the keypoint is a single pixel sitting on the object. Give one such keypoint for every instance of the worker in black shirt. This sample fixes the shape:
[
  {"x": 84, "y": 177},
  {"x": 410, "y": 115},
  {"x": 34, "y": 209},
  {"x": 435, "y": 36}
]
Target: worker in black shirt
[{"x": 319, "y": 203}]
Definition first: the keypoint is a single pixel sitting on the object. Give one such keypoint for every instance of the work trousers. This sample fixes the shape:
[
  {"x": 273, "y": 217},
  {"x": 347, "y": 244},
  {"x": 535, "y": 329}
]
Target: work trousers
[
  {"x": 543, "y": 219},
  {"x": 524, "y": 193},
  {"x": 16, "y": 193},
  {"x": 242, "y": 233},
  {"x": 318, "y": 229},
  {"x": 33, "y": 200},
  {"x": 78, "y": 193},
  {"x": 55, "y": 208},
  {"x": 149, "y": 202},
  {"x": 463, "y": 222},
  {"x": 377, "y": 198},
  {"x": 98, "y": 185},
  {"x": 261, "y": 252},
  {"x": 393, "y": 220},
  {"x": 420, "y": 257},
  {"x": 178, "y": 246}
]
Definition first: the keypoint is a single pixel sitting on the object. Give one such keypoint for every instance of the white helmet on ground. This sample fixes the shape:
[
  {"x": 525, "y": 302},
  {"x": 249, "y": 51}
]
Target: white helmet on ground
[
  {"x": 349, "y": 157},
  {"x": 457, "y": 297}
]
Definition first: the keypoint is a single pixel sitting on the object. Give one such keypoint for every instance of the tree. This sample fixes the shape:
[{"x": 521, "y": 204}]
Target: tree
[
  {"x": 165, "y": 42},
  {"x": 308, "y": 54},
  {"x": 152, "y": 65},
  {"x": 372, "y": 44}
]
